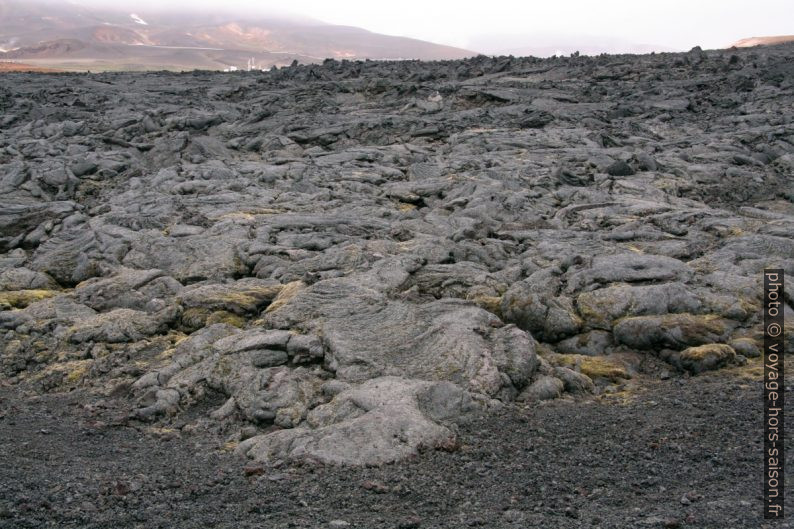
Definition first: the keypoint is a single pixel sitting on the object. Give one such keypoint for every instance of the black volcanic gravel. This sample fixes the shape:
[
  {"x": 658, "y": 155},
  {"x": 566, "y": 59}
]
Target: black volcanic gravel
[{"x": 680, "y": 453}]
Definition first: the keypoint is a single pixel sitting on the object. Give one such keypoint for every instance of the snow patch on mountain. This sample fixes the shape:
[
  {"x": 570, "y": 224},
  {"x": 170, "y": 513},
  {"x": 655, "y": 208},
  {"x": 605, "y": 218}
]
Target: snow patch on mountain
[{"x": 138, "y": 20}]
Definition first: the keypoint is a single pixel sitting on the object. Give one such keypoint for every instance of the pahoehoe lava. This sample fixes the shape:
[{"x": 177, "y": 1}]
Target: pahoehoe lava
[{"x": 325, "y": 268}]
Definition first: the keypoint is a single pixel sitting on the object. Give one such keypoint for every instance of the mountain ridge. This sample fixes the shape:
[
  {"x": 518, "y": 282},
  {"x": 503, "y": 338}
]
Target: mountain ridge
[
  {"x": 71, "y": 36},
  {"x": 769, "y": 40}
]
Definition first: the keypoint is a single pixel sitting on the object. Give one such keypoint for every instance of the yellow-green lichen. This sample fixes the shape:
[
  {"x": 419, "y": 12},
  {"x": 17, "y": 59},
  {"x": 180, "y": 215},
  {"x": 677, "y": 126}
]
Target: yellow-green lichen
[
  {"x": 72, "y": 371},
  {"x": 753, "y": 370},
  {"x": 593, "y": 366},
  {"x": 288, "y": 291},
  {"x": 222, "y": 316},
  {"x": 19, "y": 299},
  {"x": 195, "y": 317},
  {"x": 703, "y": 352},
  {"x": 492, "y": 304}
]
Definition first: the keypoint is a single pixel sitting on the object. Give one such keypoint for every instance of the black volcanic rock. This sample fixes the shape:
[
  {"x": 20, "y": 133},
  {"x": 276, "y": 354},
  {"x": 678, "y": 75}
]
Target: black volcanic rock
[
  {"x": 620, "y": 168},
  {"x": 351, "y": 258}
]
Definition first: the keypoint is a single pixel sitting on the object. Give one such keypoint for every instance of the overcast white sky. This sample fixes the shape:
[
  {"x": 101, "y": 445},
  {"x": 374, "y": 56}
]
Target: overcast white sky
[{"x": 678, "y": 24}]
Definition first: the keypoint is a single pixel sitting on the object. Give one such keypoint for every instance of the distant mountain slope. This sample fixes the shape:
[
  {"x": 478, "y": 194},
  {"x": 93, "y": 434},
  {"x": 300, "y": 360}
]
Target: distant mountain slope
[
  {"x": 762, "y": 41},
  {"x": 66, "y": 35},
  {"x": 19, "y": 67}
]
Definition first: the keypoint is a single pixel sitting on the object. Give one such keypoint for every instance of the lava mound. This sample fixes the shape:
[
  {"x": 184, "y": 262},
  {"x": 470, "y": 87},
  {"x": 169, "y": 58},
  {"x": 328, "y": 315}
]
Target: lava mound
[{"x": 341, "y": 263}]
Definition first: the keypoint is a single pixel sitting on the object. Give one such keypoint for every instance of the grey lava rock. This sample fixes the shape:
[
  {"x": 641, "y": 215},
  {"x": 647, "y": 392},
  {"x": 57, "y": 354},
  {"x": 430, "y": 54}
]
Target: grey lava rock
[
  {"x": 381, "y": 421},
  {"x": 592, "y": 343},
  {"x": 703, "y": 358},
  {"x": 344, "y": 258},
  {"x": 544, "y": 387}
]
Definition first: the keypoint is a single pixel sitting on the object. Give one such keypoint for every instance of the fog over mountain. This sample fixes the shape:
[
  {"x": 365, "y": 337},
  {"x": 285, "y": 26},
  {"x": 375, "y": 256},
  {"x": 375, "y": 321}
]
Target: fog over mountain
[{"x": 76, "y": 37}]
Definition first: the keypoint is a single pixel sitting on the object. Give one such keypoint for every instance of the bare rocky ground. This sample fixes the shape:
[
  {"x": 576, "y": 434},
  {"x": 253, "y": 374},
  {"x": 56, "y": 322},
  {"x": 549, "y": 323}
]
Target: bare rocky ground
[
  {"x": 500, "y": 291},
  {"x": 676, "y": 453}
]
